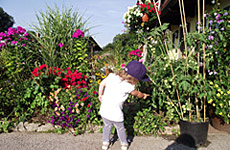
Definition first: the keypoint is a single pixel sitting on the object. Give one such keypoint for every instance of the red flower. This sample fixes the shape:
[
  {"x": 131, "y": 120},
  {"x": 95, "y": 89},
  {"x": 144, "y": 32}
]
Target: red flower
[
  {"x": 78, "y": 82},
  {"x": 69, "y": 72},
  {"x": 35, "y": 72},
  {"x": 84, "y": 99},
  {"x": 94, "y": 92},
  {"x": 42, "y": 66}
]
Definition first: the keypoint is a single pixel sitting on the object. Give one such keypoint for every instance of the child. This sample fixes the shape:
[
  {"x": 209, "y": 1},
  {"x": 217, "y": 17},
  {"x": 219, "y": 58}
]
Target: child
[{"x": 113, "y": 91}]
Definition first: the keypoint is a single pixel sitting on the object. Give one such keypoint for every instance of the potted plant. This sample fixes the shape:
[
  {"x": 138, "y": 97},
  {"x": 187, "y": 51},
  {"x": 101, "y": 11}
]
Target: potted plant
[
  {"x": 181, "y": 86},
  {"x": 218, "y": 68}
]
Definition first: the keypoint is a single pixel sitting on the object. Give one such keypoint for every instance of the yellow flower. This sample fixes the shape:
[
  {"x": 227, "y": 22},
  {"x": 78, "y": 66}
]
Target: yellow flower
[
  {"x": 214, "y": 104},
  {"x": 210, "y": 101},
  {"x": 99, "y": 81},
  {"x": 229, "y": 103},
  {"x": 216, "y": 86},
  {"x": 103, "y": 76},
  {"x": 220, "y": 113},
  {"x": 142, "y": 24},
  {"x": 229, "y": 92},
  {"x": 219, "y": 90},
  {"x": 222, "y": 92},
  {"x": 90, "y": 81},
  {"x": 97, "y": 74},
  {"x": 221, "y": 105},
  {"x": 218, "y": 94},
  {"x": 211, "y": 83}
]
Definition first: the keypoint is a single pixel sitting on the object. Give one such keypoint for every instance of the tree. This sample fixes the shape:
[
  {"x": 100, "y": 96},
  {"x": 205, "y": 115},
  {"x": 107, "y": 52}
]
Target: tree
[{"x": 6, "y": 20}]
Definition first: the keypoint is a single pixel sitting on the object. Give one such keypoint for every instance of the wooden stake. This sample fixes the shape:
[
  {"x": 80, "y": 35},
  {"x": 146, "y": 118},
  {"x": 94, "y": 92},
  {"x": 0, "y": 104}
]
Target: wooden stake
[
  {"x": 204, "y": 59},
  {"x": 166, "y": 46}
]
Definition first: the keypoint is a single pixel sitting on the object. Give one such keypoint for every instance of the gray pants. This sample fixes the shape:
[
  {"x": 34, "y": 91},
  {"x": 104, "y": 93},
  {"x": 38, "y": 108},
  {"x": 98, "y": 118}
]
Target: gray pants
[{"x": 120, "y": 130}]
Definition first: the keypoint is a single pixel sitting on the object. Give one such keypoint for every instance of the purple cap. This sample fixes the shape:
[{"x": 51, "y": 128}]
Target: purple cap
[{"x": 137, "y": 70}]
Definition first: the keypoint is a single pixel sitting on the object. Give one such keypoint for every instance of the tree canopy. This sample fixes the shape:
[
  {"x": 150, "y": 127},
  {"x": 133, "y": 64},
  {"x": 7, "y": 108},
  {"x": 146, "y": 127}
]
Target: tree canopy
[{"x": 6, "y": 20}]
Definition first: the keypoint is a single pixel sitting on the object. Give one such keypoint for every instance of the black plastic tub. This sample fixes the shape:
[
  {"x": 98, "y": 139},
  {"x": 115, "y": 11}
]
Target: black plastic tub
[{"x": 193, "y": 134}]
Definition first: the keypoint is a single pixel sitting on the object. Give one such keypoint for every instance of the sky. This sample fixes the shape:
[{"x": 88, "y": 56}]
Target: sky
[{"x": 105, "y": 16}]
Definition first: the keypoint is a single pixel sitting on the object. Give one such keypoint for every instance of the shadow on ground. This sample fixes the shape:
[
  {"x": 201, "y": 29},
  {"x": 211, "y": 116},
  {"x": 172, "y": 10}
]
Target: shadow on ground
[{"x": 185, "y": 142}]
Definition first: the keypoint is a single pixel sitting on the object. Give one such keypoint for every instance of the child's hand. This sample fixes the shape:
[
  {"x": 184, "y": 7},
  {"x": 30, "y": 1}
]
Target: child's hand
[
  {"x": 100, "y": 97},
  {"x": 145, "y": 95}
]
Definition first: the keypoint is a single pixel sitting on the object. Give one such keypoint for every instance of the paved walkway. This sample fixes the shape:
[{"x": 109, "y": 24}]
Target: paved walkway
[{"x": 51, "y": 141}]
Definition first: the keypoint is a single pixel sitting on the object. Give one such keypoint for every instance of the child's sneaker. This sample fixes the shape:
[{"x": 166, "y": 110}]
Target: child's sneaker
[
  {"x": 124, "y": 146},
  {"x": 105, "y": 146}
]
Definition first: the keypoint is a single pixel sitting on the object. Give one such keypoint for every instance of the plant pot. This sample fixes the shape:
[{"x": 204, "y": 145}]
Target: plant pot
[
  {"x": 145, "y": 17},
  {"x": 218, "y": 122},
  {"x": 193, "y": 134}
]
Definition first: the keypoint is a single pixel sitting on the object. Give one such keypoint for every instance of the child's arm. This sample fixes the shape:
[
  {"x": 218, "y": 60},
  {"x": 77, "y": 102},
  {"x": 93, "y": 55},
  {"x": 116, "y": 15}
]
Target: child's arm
[
  {"x": 101, "y": 89},
  {"x": 139, "y": 94}
]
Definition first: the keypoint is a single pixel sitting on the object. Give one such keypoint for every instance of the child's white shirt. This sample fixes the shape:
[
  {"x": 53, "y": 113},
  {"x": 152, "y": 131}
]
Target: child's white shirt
[{"x": 115, "y": 94}]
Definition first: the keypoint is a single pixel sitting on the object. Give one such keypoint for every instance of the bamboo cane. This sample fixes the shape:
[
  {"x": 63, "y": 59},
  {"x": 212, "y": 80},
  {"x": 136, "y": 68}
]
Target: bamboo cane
[
  {"x": 198, "y": 59},
  {"x": 184, "y": 27},
  {"x": 204, "y": 58},
  {"x": 178, "y": 96}
]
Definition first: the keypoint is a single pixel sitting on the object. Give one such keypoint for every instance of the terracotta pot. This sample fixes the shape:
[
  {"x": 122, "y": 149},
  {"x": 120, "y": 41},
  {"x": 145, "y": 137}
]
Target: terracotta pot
[
  {"x": 218, "y": 122},
  {"x": 145, "y": 18}
]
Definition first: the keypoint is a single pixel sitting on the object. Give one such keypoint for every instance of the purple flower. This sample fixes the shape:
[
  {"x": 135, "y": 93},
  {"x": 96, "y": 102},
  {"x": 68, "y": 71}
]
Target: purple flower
[
  {"x": 87, "y": 116},
  {"x": 218, "y": 16},
  {"x": 210, "y": 46},
  {"x": 220, "y": 21},
  {"x": 210, "y": 37},
  {"x": 225, "y": 14},
  {"x": 201, "y": 64},
  {"x": 210, "y": 22},
  {"x": 89, "y": 110}
]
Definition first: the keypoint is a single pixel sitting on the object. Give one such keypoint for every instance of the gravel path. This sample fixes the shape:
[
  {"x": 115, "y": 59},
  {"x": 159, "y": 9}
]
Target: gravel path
[{"x": 92, "y": 141}]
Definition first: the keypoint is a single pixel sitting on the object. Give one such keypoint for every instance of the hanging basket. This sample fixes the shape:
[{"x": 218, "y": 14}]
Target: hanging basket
[{"x": 145, "y": 18}]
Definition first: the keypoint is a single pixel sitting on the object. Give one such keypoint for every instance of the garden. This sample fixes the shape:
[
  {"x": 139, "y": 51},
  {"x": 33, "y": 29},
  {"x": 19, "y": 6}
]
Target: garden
[{"x": 50, "y": 73}]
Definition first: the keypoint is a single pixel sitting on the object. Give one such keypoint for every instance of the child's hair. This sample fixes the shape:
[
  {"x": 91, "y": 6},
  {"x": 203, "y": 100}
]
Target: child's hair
[{"x": 125, "y": 76}]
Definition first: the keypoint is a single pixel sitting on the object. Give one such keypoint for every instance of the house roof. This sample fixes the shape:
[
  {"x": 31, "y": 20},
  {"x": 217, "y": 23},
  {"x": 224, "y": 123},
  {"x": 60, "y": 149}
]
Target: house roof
[
  {"x": 94, "y": 44},
  {"x": 170, "y": 11}
]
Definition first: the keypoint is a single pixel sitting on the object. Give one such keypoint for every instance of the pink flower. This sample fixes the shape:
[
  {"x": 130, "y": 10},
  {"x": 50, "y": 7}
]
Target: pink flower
[
  {"x": 122, "y": 66},
  {"x": 78, "y": 33},
  {"x": 14, "y": 42},
  {"x": 23, "y": 45},
  {"x": 26, "y": 34},
  {"x": 141, "y": 60},
  {"x": 61, "y": 45}
]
